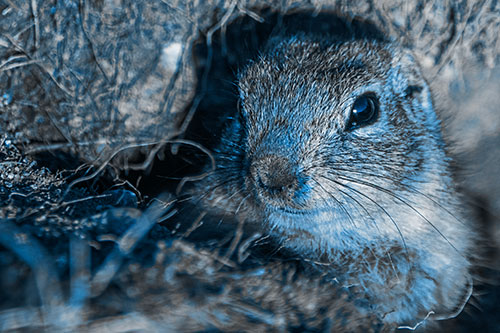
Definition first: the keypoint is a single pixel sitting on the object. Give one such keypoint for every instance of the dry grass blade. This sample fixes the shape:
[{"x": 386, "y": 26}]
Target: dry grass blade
[{"x": 126, "y": 244}]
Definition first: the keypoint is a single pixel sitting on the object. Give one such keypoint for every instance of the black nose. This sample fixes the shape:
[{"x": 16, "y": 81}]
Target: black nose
[{"x": 275, "y": 175}]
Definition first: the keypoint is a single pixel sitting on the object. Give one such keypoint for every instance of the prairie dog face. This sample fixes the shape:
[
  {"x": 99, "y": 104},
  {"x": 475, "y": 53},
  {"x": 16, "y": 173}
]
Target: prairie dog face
[{"x": 338, "y": 137}]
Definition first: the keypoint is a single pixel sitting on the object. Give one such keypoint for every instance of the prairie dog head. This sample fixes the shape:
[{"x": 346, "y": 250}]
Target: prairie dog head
[{"x": 341, "y": 139}]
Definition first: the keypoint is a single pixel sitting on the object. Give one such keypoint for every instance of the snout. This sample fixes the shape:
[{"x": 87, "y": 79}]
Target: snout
[{"x": 278, "y": 181}]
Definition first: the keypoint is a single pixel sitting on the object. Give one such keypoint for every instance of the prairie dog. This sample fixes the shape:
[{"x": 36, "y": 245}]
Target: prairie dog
[{"x": 337, "y": 152}]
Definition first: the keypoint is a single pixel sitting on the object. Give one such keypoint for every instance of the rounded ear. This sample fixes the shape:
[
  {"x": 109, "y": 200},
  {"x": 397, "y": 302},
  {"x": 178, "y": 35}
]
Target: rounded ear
[{"x": 408, "y": 82}]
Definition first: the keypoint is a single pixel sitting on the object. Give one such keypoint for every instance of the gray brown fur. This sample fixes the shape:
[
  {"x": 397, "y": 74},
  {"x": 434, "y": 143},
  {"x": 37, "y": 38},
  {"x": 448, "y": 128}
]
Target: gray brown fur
[{"x": 377, "y": 203}]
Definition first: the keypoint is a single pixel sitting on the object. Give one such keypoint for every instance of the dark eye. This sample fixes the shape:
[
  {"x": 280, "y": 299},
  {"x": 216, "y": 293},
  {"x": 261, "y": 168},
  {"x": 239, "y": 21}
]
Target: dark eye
[{"x": 364, "y": 111}]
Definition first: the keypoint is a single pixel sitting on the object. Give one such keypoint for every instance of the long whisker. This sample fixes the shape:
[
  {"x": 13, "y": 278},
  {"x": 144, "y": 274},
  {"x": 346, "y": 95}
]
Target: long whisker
[
  {"x": 377, "y": 204},
  {"x": 367, "y": 212},
  {"x": 376, "y": 227},
  {"x": 214, "y": 187},
  {"x": 384, "y": 190},
  {"x": 338, "y": 202},
  {"x": 407, "y": 186},
  {"x": 360, "y": 205}
]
